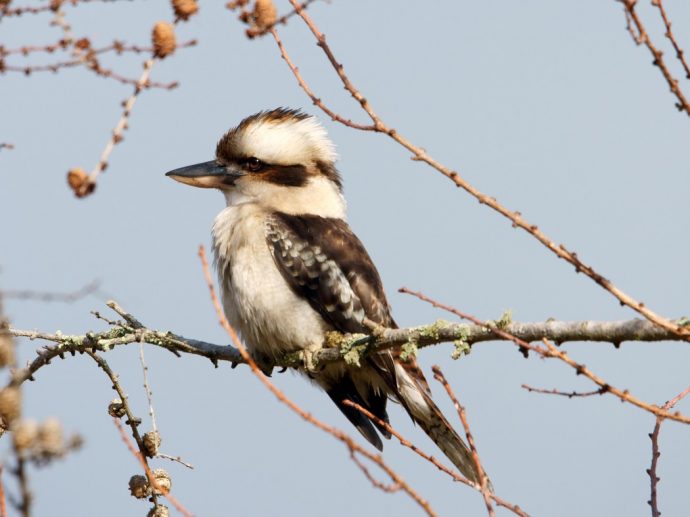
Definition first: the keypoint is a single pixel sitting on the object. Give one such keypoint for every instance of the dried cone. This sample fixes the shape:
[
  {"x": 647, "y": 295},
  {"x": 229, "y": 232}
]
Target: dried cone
[
  {"x": 159, "y": 511},
  {"x": 163, "y": 39},
  {"x": 152, "y": 441},
  {"x": 79, "y": 182},
  {"x": 139, "y": 486},
  {"x": 50, "y": 437},
  {"x": 184, "y": 8},
  {"x": 25, "y": 434},
  {"x": 116, "y": 408},
  {"x": 265, "y": 13},
  {"x": 10, "y": 404},
  {"x": 6, "y": 347},
  {"x": 163, "y": 481}
]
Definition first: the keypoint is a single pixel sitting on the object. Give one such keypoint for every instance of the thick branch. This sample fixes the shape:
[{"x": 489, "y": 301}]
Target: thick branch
[{"x": 338, "y": 347}]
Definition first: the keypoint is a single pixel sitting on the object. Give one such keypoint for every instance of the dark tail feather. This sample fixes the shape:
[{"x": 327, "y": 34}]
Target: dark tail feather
[
  {"x": 429, "y": 417},
  {"x": 345, "y": 389}
]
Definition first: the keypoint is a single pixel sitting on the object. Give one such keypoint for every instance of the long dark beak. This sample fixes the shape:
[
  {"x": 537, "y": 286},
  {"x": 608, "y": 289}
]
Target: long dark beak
[{"x": 206, "y": 175}]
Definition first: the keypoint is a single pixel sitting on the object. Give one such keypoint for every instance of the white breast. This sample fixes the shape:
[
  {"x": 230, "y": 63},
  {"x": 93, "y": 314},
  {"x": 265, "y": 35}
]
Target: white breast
[{"x": 258, "y": 302}]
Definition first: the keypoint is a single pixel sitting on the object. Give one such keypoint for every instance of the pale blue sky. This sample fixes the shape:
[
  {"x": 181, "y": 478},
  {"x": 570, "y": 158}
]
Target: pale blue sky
[{"x": 546, "y": 105}]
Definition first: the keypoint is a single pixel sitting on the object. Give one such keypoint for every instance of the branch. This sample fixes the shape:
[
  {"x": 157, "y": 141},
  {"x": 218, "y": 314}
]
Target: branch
[
  {"x": 452, "y": 473},
  {"x": 347, "y": 347},
  {"x": 549, "y": 351},
  {"x": 642, "y": 37},
  {"x": 485, "y": 485},
  {"x": 341, "y": 347},
  {"x": 654, "y": 436}
]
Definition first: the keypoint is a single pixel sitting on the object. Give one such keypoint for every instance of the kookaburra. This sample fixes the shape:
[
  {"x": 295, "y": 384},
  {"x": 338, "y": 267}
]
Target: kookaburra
[{"x": 291, "y": 270}]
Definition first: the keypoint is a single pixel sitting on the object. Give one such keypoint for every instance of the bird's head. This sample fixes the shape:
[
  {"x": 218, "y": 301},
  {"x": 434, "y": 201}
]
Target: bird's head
[{"x": 281, "y": 159}]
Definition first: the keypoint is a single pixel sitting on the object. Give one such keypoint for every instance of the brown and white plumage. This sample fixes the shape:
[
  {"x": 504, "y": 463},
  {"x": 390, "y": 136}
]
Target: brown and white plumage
[{"x": 291, "y": 269}]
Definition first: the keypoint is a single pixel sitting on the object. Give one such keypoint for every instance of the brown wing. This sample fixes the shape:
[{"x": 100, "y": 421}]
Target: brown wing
[{"x": 324, "y": 262}]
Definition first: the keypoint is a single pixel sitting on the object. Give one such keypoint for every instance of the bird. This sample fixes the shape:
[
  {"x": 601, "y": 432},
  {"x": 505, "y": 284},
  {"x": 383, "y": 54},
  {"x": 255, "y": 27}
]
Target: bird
[{"x": 291, "y": 270}]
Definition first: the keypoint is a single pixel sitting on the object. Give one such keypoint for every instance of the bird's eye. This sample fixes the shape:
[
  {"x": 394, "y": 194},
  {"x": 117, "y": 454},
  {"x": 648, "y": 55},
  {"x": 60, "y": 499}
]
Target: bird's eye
[{"x": 253, "y": 164}]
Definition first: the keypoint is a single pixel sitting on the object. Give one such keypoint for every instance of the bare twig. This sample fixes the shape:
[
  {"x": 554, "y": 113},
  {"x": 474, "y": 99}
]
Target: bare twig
[
  {"x": 419, "y": 154},
  {"x": 315, "y": 100},
  {"x": 147, "y": 387},
  {"x": 680, "y": 53},
  {"x": 452, "y": 473},
  {"x": 569, "y": 394},
  {"x": 3, "y": 502},
  {"x": 19, "y": 11},
  {"x": 25, "y": 294},
  {"x": 88, "y": 186},
  {"x": 176, "y": 459},
  {"x": 485, "y": 484},
  {"x": 643, "y": 38},
  {"x": 26, "y": 496},
  {"x": 654, "y": 436}
]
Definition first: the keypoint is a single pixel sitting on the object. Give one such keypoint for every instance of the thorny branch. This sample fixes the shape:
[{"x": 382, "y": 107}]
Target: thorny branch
[
  {"x": 419, "y": 154},
  {"x": 352, "y": 446}
]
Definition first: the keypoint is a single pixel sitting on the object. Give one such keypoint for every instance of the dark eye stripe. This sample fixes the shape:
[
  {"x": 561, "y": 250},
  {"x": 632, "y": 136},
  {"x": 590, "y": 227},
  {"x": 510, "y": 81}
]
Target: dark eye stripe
[{"x": 287, "y": 175}]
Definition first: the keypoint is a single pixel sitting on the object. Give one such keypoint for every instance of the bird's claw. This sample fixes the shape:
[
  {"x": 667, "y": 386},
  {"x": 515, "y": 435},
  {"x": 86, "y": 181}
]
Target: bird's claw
[{"x": 309, "y": 361}]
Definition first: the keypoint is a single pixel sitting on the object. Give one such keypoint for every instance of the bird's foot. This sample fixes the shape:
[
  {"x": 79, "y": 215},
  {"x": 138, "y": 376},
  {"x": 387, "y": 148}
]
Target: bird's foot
[{"x": 310, "y": 362}]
